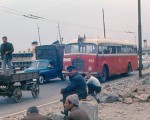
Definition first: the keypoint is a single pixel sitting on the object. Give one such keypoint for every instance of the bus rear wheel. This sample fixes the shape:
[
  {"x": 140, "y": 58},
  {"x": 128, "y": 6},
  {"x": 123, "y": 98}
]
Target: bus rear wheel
[
  {"x": 104, "y": 75},
  {"x": 129, "y": 69}
]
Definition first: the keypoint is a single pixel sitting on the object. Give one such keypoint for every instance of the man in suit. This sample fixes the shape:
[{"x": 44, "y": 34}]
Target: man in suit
[
  {"x": 72, "y": 105},
  {"x": 33, "y": 114},
  {"x": 6, "y": 55}
]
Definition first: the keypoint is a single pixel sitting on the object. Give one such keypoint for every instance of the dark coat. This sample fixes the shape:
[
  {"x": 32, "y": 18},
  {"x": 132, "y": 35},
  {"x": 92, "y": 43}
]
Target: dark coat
[
  {"x": 78, "y": 114},
  {"x": 36, "y": 116},
  {"x": 7, "y": 47},
  {"x": 77, "y": 85}
]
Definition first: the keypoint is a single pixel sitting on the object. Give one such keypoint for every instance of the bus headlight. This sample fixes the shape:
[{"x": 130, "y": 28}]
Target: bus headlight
[
  {"x": 90, "y": 68},
  {"x": 67, "y": 59},
  {"x": 66, "y": 67}
]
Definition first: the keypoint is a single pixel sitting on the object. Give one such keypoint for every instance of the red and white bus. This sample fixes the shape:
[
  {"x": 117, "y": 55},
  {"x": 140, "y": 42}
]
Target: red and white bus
[{"x": 103, "y": 57}]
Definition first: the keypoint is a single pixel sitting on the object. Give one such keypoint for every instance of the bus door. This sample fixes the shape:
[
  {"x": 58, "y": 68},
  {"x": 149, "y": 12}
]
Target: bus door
[
  {"x": 119, "y": 59},
  {"x": 106, "y": 56}
]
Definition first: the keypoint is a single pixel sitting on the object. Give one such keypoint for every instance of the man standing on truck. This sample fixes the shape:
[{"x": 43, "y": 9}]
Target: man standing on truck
[
  {"x": 77, "y": 85},
  {"x": 6, "y": 55}
]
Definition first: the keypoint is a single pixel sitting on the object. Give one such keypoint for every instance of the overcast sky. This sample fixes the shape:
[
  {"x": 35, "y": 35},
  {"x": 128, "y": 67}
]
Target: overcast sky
[{"x": 75, "y": 17}]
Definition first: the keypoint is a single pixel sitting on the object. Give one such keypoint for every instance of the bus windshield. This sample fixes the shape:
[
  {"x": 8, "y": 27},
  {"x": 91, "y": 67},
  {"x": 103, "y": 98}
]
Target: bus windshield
[{"x": 81, "y": 48}]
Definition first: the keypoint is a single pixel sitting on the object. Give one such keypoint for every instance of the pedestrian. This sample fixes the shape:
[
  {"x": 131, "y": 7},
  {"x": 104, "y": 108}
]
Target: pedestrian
[
  {"x": 94, "y": 86},
  {"x": 33, "y": 114},
  {"x": 72, "y": 105},
  {"x": 76, "y": 86},
  {"x": 6, "y": 55}
]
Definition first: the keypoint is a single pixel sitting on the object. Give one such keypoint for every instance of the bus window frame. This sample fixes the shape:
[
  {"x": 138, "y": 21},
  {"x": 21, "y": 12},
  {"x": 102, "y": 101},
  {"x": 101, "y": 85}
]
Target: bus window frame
[{"x": 83, "y": 49}]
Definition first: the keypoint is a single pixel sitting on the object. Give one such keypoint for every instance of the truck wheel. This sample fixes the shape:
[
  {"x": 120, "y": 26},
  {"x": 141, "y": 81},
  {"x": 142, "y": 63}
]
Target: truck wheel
[
  {"x": 35, "y": 90},
  {"x": 17, "y": 95},
  {"x": 41, "y": 80}
]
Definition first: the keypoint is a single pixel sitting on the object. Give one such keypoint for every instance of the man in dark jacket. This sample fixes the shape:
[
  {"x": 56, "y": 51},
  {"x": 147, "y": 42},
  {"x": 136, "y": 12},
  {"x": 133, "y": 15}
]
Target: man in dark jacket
[
  {"x": 33, "y": 114},
  {"x": 72, "y": 105},
  {"x": 6, "y": 55},
  {"x": 76, "y": 86}
]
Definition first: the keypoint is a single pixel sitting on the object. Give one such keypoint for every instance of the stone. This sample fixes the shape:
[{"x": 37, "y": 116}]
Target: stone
[
  {"x": 144, "y": 97},
  {"x": 128, "y": 100},
  {"x": 125, "y": 94},
  {"x": 147, "y": 90},
  {"x": 91, "y": 108},
  {"x": 56, "y": 116}
]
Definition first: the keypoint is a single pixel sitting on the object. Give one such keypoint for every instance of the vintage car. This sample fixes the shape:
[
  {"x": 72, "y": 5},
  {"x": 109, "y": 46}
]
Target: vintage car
[{"x": 49, "y": 62}]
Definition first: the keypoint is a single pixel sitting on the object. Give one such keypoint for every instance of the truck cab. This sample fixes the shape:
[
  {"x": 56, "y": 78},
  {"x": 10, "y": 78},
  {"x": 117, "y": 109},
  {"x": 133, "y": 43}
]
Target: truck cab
[{"x": 49, "y": 62}]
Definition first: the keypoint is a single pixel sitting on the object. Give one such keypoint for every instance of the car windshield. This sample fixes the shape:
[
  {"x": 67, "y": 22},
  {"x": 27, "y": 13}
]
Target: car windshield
[
  {"x": 81, "y": 48},
  {"x": 39, "y": 64}
]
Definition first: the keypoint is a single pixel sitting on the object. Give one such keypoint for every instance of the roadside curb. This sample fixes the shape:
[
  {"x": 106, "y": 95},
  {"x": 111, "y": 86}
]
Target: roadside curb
[{"x": 17, "y": 113}]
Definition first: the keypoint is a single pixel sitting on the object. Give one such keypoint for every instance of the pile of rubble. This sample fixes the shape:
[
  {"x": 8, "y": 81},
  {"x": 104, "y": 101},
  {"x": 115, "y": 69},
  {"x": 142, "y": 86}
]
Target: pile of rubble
[
  {"x": 128, "y": 91},
  {"x": 126, "y": 100}
]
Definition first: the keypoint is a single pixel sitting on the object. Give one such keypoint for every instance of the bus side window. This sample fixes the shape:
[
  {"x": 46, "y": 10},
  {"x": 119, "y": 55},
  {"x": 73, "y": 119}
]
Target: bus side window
[
  {"x": 123, "y": 49},
  {"x": 134, "y": 49},
  {"x": 113, "y": 49},
  {"x": 105, "y": 50},
  {"x": 118, "y": 49},
  {"x": 100, "y": 49},
  {"x": 109, "y": 50},
  {"x": 129, "y": 49}
]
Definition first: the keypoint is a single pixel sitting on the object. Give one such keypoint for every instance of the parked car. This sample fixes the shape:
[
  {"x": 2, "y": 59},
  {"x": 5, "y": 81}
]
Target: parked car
[
  {"x": 145, "y": 62},
  {"x": 48, "y": 63}
]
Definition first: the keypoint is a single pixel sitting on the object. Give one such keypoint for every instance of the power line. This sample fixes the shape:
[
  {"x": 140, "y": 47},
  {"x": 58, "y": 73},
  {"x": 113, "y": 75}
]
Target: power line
[
  {"x": 31, "y": 16},
  {"x": 57, "y": 6}
]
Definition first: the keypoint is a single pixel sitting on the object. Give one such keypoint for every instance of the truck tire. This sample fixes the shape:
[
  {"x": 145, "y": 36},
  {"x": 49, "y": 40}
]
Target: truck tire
[{"x": 41, "y": 80}]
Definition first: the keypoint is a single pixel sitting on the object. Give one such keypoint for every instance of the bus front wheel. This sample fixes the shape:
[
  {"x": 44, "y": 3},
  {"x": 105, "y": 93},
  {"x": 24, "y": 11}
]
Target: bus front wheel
[{"x": 104, "y": 75}]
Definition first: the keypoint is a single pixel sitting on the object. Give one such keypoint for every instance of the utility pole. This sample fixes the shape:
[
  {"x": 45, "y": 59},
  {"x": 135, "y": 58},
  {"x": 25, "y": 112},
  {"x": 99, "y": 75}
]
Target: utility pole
[
  {"x": 104, "y": 23},
  {"x": 59, "y": 34},
  {"x": 140, "y": 38},
  {"x": 39, "y": 35}
]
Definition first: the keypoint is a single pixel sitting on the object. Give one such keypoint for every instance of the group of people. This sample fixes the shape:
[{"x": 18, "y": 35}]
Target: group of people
[
  {"x": 74, "y": 92},
  {"x": 6, "y": 51},
  {"x": 78, "y": 87}
]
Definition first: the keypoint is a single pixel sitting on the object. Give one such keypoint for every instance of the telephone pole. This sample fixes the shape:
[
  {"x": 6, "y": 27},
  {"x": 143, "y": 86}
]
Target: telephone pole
[
  {"x": 59, "y": 34},
  {"x": 39, "y": 34},
  {"x": 104, "y": 23},
  {"x": 140, "y": 38}
]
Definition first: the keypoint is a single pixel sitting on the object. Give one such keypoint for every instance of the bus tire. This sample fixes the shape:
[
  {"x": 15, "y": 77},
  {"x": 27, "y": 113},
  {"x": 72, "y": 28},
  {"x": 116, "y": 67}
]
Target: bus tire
[
  {"x": 129, "y": 69},
  {"x": 104, "y": 76}
]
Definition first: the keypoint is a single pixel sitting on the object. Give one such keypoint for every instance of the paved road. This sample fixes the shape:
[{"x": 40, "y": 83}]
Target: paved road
[{"x": 48, "y": 93}]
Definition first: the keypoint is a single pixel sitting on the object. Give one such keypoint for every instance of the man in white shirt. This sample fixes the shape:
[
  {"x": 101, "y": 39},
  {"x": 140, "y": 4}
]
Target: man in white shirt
[{"x": 93, "y": 84}]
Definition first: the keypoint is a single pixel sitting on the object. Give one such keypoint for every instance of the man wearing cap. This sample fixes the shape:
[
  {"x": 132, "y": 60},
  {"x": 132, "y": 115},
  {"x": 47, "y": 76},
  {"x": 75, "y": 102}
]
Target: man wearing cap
[
  {"x": 72, "y": 105},
  {"x": 76, "y": 86}
]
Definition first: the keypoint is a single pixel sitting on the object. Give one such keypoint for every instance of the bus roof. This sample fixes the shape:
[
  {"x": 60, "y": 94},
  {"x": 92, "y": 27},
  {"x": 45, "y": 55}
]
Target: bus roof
[{"x": 98, "y": 41}]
